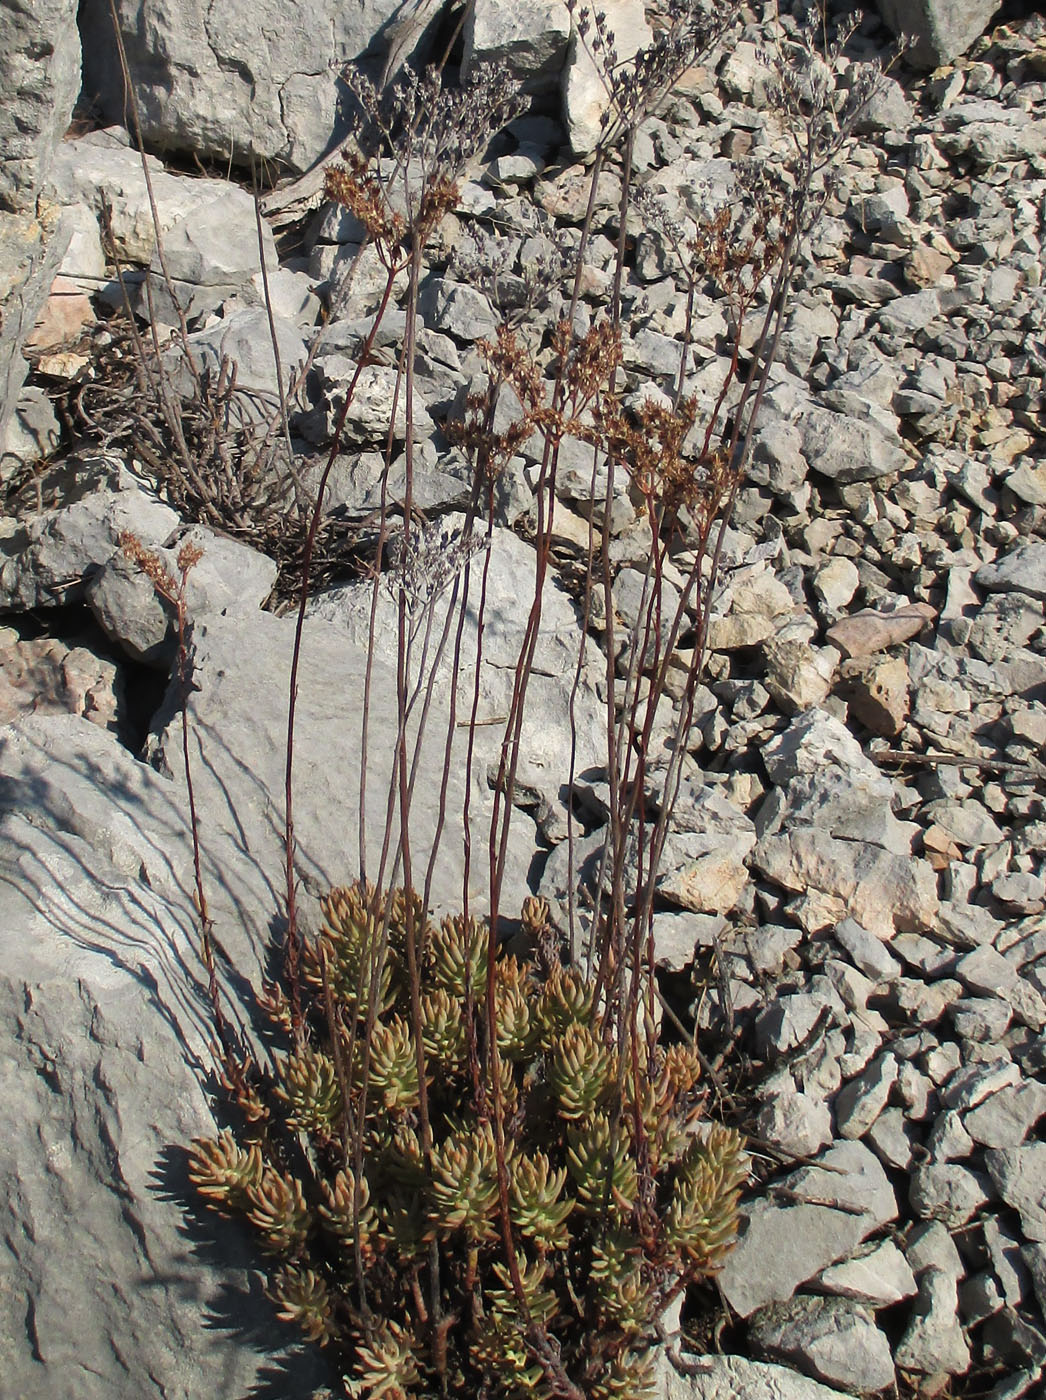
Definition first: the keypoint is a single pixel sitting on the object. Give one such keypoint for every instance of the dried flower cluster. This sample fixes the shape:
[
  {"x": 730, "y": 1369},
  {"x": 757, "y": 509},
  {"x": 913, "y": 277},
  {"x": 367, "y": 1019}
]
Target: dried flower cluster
[{"x": 385, "y": 1185}]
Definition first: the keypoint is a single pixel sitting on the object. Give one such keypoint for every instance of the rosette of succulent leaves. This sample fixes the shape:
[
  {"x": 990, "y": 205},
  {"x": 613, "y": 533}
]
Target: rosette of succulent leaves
[{"x": 450, "y": 1247}]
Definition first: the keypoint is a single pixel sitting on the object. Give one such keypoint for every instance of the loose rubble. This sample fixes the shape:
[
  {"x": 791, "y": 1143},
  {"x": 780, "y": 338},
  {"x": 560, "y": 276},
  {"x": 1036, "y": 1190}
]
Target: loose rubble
[{"x": 854, "y": 885}]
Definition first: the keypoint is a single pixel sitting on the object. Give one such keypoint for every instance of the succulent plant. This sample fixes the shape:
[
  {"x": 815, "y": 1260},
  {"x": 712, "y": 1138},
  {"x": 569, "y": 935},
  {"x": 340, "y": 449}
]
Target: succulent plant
[{"x": 452, "y": 1207}]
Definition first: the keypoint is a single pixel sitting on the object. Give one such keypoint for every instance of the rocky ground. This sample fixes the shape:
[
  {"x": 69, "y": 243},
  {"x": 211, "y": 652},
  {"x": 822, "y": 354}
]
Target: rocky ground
[{"x": 855, "y": 882}]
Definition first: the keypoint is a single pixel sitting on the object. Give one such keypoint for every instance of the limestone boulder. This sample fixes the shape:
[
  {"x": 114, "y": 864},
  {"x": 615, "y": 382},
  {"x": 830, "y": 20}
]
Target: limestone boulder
[
  {"x": 233, "y": 80},
  {"x": 40, "y": 79}
]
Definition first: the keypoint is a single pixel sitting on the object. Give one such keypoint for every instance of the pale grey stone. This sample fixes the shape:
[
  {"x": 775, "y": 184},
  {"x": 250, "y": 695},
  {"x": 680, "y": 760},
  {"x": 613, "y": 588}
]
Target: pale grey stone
[
  {"x": 40, "y": 79},
  {"x": 869, "y": 953},
  {"x": 796, "y": 1123},
  {"x": 781, "y": 1246},
  {"x": 947, "y": 1191},
  {"x": 845, "y": 450},
  {"x": 877, "y": 1274},
  {"x": 229, "y": 578},
  {"x": 788, "y": 1021},
  {"x": 1019, "y": 1174},
  {"x": 529, "y": 40},
  {"x": 859, "y": 1103},
  {"x": 1004, "y": 1119},
  {"x": 245, "y": 339},
  {"x": 930, "y": 1246},
  {"x": 942, "y": 29},
  {"x": 456, "y": 309},
  {"x": 835, "y": 1339},
  {"x": 230, "y": 82},
  {"x": 1023, "y": 570},
  {"x": 948, "y": 1140},
  {"x": 980, "y": 1018},
  {"x": 1004, "y": 1254},
  {"x": 715, "y": 1377},
  {"x": 50, "y": 559},
  {"x": 891, "y": 1137},
  {"x": 107, "y": 1067},
  {"x": 934, "y": 1340},
  {"x": 972, "y": 1084}
]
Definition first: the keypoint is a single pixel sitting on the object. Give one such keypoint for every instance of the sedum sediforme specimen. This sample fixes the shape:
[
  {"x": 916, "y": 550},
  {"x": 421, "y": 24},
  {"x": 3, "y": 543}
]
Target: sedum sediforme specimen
[{"x": 388, "y": 1181}]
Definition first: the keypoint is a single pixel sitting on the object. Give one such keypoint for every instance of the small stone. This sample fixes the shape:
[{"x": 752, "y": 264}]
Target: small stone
[
  {"x": 864, "y": 633},
  {"x": 879, "y": 1275},
  {"x": 1023, "y": 570},
  {"x": 860, "y": 1102},
  {"x": 876, "y": 693},
  {"x": 891, "y": 1137},
  {"x": 934, "y": 1339},
  {"x": 797, "y": 675},
  {"x": 948, "y": 1192},
  {"x": 787, "y": 1022},
  {"x": 795, "y": 1123},
  {"x": 984, "y": 1019},
  {"x": 836, "y": 582},
  {"x": 930, "y": 1246},
  {"x": 834, "y": 1339},
  {"x": 948, "y": 1141},
  {"x": 868, "y": 953},
  {"x": 1005, "y": 1119},
  {"x": 1028, "y": 483},
  {"x": 780, "y": 1247},
  {"x": 1021, "y": 892},
  {"x": 972, "y": 1084},
  {"x": 1019, "y": 1174}
]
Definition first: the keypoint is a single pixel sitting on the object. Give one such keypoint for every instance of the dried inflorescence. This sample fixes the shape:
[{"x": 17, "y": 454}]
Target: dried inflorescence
[{"x": 389, "y": 1191}]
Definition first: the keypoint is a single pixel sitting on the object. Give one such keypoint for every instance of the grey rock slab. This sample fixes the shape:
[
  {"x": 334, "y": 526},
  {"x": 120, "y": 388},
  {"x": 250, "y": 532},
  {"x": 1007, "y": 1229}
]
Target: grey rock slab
[
  {"x": 941, "y": 29},
  {"x": 528, "y": 40},
  {"x": 782, "y": 1246},
  {"x": 230, "y": 81},
  {"x": 1006, "y": 1118},
  {"x": 217, "y": 244},
  {"x": 1022, "y": 570},
  {"x": 971, "y": 1084},
  {"x": 879, "y": 1275},
  {"x": 788, "y": 1021},
  {"x": 859, "y": 1103},
  {"x": 585, "y": 98},
  {"x": 40, "y": 79},
  {"x": 988, "y": 972},
  {"x": 719, "y": 1377},
  {"x": 930, "y": 1246},
  {"x": 375, "y": 402},
  {"x": 50, "y": 559},
  {"x": 933, "y": 1340},
  {"x": 245, "y": 339},
  {"x": 229, "y": 577},
  {"x": 948, "y": 1192},
  {"x": 1019, "y": 1174},
  {"x": 837, "y": 878},
  {"x": 795, "y": 1123},
  {"x": 868, "y": 953},
  {"x": 844, "y": 450},
  {"x": 834, "y": 1339},
  {"x": 106, "y": 1067},
  {"x": 456, "y": 309},
  {"x": 102, "y": 173},
  {"x": 237, "y": 718},
  {"x": 891, "y": 1137},
  {"x": 546, "y": 734},
  {"x": 815, "y": 741}
]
